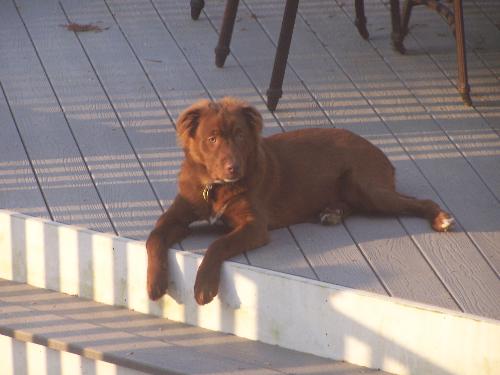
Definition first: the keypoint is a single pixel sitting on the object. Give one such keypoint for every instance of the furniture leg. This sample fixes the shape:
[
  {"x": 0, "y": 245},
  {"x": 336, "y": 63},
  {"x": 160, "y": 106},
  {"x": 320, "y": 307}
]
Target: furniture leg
[
  {"x": 397, "y": 35},
  {"x": 275, "y": 87},
  {"x": 196, "y": 8},
  {"x": 463, "y": 84},
  {"x": 406, "y": 17},
  {"x": 226, "y": 32},
  {"x": 360, "y": 21}
]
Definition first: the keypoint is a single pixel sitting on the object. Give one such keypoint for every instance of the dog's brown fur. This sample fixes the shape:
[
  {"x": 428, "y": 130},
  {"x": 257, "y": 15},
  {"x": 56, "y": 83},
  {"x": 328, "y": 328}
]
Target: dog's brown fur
[{"x": 255, "y": 184}]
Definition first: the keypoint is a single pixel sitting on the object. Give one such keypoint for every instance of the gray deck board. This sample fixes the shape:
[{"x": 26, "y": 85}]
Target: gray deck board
[
  {"x": 19, "y": 189},
  {"x": 119, "y": 92},
  {"x": 61, "y": 171},
  {"x": 111, "y": 160},
  {"x": 148, "y": 343}
]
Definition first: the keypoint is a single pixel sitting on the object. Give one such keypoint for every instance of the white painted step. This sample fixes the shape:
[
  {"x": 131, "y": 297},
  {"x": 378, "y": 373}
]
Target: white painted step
[
  {"x": 45, "y": 332},
  {"x": 325, "y": 320}
]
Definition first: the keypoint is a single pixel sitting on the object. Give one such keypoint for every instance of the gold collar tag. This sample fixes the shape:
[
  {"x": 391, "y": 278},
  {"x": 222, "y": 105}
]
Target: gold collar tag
[{"x": 206, "y": 191}]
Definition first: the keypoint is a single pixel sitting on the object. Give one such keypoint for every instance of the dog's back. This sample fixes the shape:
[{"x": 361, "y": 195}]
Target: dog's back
[{"x": 317, "y": 168}]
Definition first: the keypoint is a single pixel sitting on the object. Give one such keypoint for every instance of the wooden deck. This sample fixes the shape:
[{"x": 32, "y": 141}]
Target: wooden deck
[{"x": 87, "y": 128}]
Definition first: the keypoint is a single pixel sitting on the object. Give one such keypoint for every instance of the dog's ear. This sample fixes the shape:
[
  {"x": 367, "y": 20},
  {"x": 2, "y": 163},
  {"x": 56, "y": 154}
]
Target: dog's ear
[
  {"x": 188, "y": 121},
  {"x": 250, "y": 113},
  {"x": 253, "y": 117}
]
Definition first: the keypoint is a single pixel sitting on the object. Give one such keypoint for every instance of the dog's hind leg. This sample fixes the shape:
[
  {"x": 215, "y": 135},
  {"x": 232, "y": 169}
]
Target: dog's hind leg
[{"x": 390, "y": 202}]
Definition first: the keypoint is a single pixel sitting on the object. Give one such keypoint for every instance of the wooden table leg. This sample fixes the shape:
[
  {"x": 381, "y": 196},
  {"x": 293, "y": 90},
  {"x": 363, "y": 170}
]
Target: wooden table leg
[
  {"x": 463, "y": 83},
  {"x": 226, "y": 32},
  {"x": 275, "y": 87}
]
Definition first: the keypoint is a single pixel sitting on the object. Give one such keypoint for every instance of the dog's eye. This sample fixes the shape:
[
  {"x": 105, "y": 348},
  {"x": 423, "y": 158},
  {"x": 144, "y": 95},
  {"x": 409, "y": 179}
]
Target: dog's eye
[
  {"x": 212, "y": 139},
  {"x": 239, "y": 135}
]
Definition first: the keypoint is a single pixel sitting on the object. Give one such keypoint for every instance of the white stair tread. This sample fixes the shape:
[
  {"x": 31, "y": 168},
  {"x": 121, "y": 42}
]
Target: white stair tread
[{"x": 144, "y": 342}]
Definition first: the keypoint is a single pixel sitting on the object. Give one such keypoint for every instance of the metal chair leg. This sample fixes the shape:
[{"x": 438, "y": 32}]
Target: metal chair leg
[
  {"x": 360, "y": 20},
  {"x": 397, "y": 35},
  {"x": 275, "y": 87},
  {"x": 406, "y": 17},
  {"x": 196, "y": 8},
  {"x": 463, "y": 83},
  {"x": 226, "y": 32},
  {"x": 455, "y": 20}
]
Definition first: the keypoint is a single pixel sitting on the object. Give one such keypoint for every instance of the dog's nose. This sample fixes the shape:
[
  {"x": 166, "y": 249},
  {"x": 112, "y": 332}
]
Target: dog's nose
[{"x": 232, "y": 168}]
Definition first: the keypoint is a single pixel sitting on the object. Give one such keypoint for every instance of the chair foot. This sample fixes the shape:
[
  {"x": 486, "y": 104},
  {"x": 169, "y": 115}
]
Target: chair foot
[
  {"x": 196, "y": 8},
  {"x": 361, "y": 26},
  {"x": 466, "y": 98},
  {"x": 273, "y": 97},
  {"x": 221, "y": 54},
  {"x": 397, "y": 43},
  {"x": 399, "y": 47},
  {"x": 226, "y": 32}
]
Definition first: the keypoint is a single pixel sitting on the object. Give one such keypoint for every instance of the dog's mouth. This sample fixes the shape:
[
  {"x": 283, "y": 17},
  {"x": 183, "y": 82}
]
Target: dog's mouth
[
  {"x": 231, "y": 180},
  {"x": 221, "y": 181}
]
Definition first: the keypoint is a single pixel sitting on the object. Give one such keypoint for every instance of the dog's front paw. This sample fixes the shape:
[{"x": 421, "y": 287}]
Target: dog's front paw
[
  {"x": 206, "y": 285},
  {"x": 157, "y": 276},
  {"x": 443, "y": 222},
  {"x": 157, "y": 281}
]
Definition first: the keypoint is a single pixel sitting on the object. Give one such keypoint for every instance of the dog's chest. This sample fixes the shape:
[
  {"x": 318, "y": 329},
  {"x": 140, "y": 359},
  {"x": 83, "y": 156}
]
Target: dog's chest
[{"x": 220, "y": 197}]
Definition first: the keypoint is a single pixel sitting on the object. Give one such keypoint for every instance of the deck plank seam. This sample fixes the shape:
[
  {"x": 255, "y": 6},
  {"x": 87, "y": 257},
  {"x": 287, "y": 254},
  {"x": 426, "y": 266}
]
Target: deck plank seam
[
  {"x": 110, "y": 102},
  {"x": 212, "y": 97},
  {"x": 446, "y": 133},
  {"x": 283, "y": 129},
  {"x": 115, "y": 112},
  {"x": 434, "y": 269},
  {"x": 382, "y": 120},
  {"x": 87, "y": 169},
  {"x": 200, "y": 81},
  {"x": 280, "y": 124},
  {"x": 289, "y": 64},
  {"x": 446, "y": 75},
  {"x": 40, "y": 188},
  {"x": 485, "y": 14},
  {"x": 369, "y": 262},
  {"x": 406, "y": 151},
  {"x": 404, "y": 147},
  {"x": 124, "y": 34},
  {"x": 179, "y": 47}
]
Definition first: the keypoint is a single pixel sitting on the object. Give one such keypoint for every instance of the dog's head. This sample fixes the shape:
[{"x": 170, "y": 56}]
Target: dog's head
[{"x": 223, "y": 136}]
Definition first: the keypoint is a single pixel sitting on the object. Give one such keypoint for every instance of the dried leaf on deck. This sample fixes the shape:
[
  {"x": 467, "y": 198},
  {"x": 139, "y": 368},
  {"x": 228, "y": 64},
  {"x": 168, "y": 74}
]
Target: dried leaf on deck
[{"x": 76, "y": 27}]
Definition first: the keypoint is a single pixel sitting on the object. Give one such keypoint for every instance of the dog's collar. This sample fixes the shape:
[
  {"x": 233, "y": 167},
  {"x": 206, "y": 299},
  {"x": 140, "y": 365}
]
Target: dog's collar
[{"x": 209, "y": 188}]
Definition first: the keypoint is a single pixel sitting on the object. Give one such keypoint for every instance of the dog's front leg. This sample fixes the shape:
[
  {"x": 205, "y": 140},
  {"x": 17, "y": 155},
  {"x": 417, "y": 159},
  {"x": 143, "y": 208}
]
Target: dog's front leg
[
  {"x": 245, "y": 237},
  {"x": 171, "y": 227}
]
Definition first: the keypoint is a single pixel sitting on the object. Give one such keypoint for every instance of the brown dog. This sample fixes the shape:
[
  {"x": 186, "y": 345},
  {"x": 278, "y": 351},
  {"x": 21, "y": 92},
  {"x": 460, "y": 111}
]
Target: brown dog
[{"x": 255, "y": 184}]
